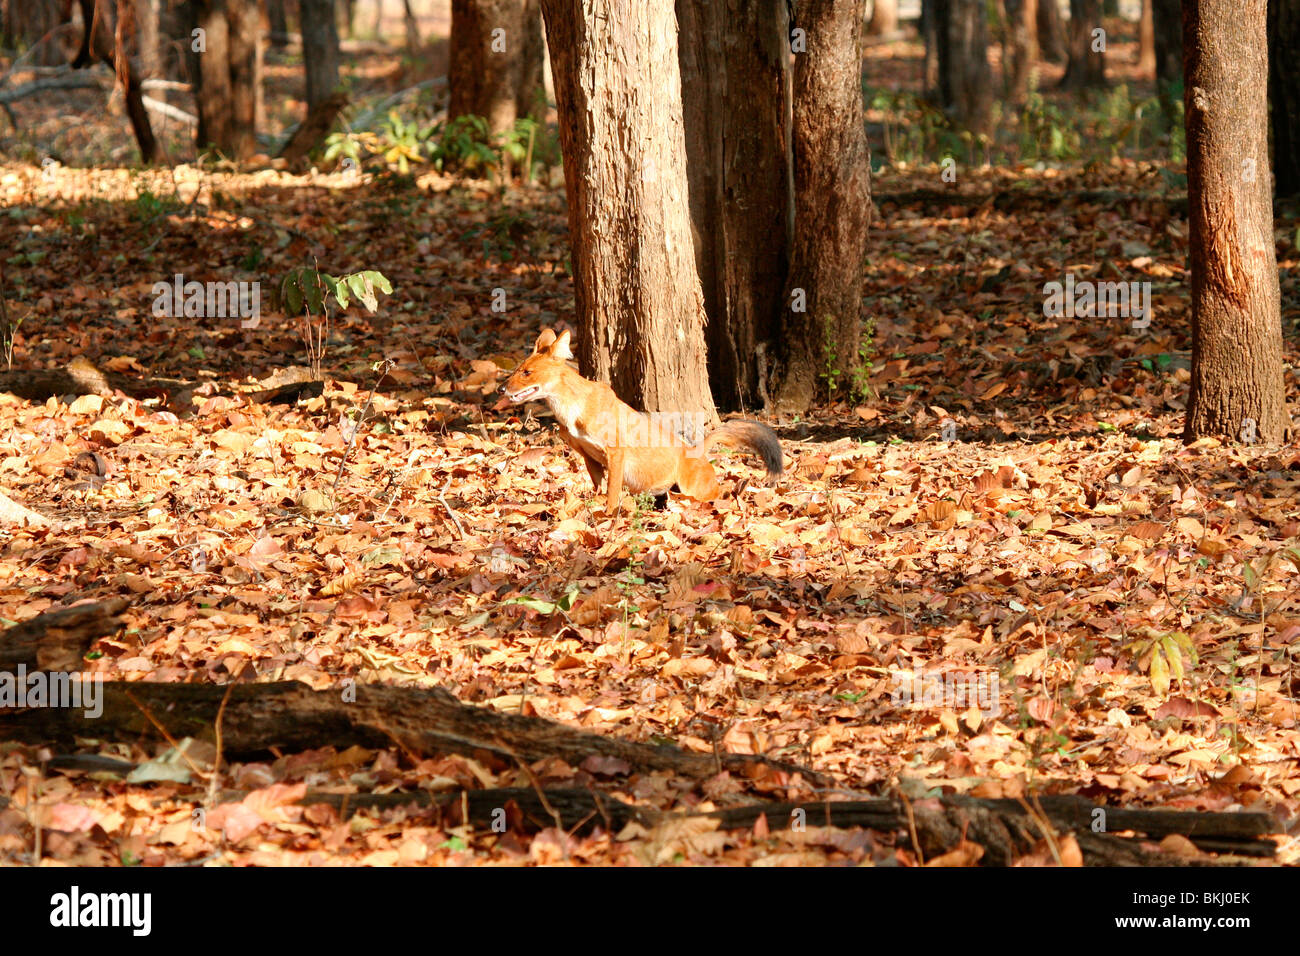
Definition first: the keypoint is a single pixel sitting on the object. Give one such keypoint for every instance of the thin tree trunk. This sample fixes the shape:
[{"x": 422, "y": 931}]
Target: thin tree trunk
[
  {"x": 1147, "y": 40},
  {"x": 639, "y": 304},
  {"x": 279, "y": 23},
  {"x": 1236, "y": 387},
  {"x": 1284, "y": 91},
  {"x": 1021, "y": 20},
  {"x": 1051, "y": 31},
  {"x": 734, "y": 57},
  {"x": 1087, "y": 64},
  {"x": 412, "y": 26},
  {"x": 320, "y": 50},
  {"x": 820, "y": 342}
]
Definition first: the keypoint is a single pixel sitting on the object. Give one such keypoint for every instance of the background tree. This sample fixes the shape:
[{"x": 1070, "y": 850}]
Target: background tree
[
  {"x": 961, "y": 39},
  {"x": 1284, "y": 93},
  {"x": 1236, "y": 386},
  {"x": 320, "y": 50},
  {"x": 1147, "y": 39},
  {"x": 1051, "y": 31},
  {"x": 1020, "y": 27},
  {"x": 735, "y": 64},
  {"x": 639, "y": 303},
  {"x": 226, "y": 70},
  {"x": 496, "y": 60},
  {"x": 1167, "y": 26},
  {"x": 1087, "y": 61},
  {"x": 884, "y": 18},
  {"x": 832, "y": 177}
]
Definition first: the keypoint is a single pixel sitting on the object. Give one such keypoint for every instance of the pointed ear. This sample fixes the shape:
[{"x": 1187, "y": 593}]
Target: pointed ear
[
  {"x": 560, "y": 349},
  {"x": 544, "y": 342}
]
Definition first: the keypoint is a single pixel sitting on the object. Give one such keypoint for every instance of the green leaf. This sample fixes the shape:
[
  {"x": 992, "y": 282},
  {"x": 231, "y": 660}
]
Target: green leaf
[{"x": 533, "y": 604}]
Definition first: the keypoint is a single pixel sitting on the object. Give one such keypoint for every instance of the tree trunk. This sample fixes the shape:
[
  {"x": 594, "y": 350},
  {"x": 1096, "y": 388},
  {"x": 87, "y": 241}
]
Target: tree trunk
[
  {"x": 1236, "y": 386},
  {"x": 320, "y": 50},
  {"x": 1147, "y": 40},
  {"x": 1284, "y": 91},
  {"x": 279, "y": 23},
  {"x": 734, "y": 57},
  {"x": 496, "y": 60},
  {"x": 412, "y": 26},
  {"x": 1087, "y": 64},
  {"x": 884, "y": 18},
  {"x": 226, "y": 74},
  {"x": 639, "y": 304},
  {"x": 110, "y": 36},
  {"x": 832, "y": 173},
  {"x": 1167, "y": 26},
  {"x": 1021, "y": 20},
  {"x": 1051, "y": 31},
  {"x": 965, "y": 79},
  {"x": 933, "y": 38}
]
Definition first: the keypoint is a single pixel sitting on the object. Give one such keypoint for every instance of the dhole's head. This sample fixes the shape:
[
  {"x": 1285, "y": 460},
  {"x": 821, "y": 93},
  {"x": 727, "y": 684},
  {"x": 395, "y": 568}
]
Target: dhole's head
[{"x": 533, "y": 379}]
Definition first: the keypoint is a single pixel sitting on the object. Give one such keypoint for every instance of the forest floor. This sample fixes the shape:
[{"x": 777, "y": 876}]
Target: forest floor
[{"x": 1010, "y": 508}]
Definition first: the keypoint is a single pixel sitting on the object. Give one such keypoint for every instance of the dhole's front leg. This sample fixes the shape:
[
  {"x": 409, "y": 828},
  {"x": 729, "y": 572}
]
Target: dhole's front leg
[{"x": 614, "y": 480}]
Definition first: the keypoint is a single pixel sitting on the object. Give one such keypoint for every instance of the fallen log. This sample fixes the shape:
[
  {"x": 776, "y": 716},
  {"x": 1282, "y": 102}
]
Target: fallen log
[
  {"x": 290, "y": 716},
  {"x": 57, "y": 639},
  {"x": 1004, "y": 828}
]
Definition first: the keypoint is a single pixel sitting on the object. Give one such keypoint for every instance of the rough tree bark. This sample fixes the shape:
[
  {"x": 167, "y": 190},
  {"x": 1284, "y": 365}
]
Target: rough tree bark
[
  {"x": 227, "y": 74},
  {"x": 639, "y": 303},
  {"x": 1051, "y": 31},
  {"x": 832, "y": 208},
  {"x": 320, "y": 50},
  {"x": 734, "y": 57},
  {"x": 1284, "y": 93},
  {"x": 1236, "y": 386},
  {"x": 965, "y": 78},
  {"x": 1087, "y": 63}
]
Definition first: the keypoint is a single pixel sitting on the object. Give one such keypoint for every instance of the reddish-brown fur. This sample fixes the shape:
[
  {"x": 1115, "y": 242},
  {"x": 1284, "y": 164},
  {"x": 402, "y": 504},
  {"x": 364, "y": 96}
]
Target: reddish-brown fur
[{"x": 625, "y": 447}]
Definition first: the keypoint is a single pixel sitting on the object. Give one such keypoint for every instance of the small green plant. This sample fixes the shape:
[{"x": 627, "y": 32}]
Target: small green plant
[
  {"x": 308, "y": 292},
  {"x": 633, "y": 574}
]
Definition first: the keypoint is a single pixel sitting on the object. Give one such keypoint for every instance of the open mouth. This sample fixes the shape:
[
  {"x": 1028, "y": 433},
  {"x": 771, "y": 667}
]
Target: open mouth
[{"x": 523, "y": 394}]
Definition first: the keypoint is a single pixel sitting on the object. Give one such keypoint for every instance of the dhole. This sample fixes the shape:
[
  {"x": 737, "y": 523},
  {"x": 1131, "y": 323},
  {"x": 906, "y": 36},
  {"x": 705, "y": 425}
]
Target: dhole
[{"x": 628, "y": 448}]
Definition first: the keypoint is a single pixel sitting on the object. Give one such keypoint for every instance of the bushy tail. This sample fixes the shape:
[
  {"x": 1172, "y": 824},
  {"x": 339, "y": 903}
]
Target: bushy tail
[{"x": 753, "y": 437}]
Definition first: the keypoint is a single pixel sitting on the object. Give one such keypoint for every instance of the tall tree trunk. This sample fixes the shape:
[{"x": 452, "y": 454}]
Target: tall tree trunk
[
  {"x": 496, "y": 60},
  {"x": 1236, "y": 386},
  {"x": 832, "y": 171},
  {"x": 1021, "y": 20},
  {"x": 934, "y": 38},
  {"x": 639, "y": 304},
  {"x": 965, "y": 78},
  {"x": 1167, "y": 24},
  {"x": 1284, "y": 91},
  {"x": 110, "y": 37},
  {"x": 1087, "y": 64},
  {"x": 320, "y": 50},
  {"x": 279, "y": 23},
  {"x": 734, "y": 57},
  {"x": 884, "y": 18},
  {"x": 226, "y": 73},
  {"x": 1147, "y": 40},
  {"x": 1051, "y": 31},
  {"x": 412, "y": 26}
]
